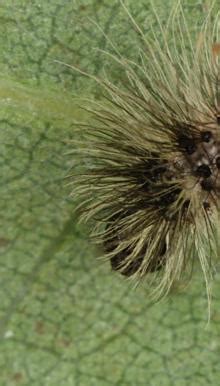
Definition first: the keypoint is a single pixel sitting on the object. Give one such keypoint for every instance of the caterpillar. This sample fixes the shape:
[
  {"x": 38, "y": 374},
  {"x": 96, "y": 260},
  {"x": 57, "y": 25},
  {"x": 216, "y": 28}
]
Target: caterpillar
[{"x": 147, "y": 169}]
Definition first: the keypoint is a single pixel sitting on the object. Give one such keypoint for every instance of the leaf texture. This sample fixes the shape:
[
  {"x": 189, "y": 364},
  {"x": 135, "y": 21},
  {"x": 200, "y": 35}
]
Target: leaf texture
[{"x": 65, "y": 318}]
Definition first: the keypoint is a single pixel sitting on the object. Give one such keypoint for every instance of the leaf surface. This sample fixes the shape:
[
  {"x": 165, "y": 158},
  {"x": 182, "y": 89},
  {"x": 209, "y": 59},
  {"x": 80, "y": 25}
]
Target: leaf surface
[{"x": 65, "y": 318}]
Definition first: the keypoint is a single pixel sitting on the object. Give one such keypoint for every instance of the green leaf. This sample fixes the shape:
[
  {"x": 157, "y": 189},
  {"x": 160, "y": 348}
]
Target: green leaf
[{"x": 65, "y": 318}]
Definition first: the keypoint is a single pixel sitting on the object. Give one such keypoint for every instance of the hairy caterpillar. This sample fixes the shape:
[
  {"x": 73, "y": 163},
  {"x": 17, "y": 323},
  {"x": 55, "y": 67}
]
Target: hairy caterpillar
[{"x": 149, "y": 158}]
